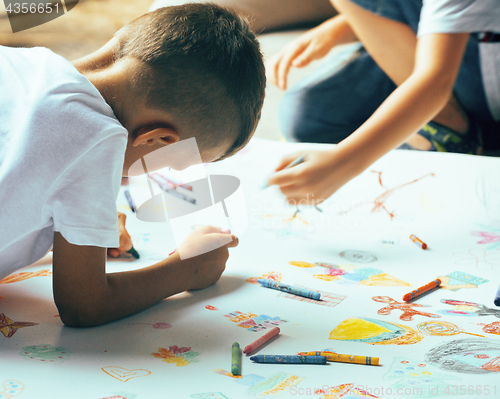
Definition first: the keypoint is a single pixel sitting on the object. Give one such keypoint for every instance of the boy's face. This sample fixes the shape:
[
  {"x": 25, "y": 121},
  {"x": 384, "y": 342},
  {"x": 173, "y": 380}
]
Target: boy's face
[{"x": 146, "y": 156}]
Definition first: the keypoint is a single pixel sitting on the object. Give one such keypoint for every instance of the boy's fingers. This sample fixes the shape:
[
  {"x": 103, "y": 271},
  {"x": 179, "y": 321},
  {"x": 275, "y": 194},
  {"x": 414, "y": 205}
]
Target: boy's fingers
[
  {"x": 286, "y": 160},
  {"x": 233, "y": 243},
  {"x": 209, "y": 229},
  {"x": 284, "y": 177},
  {"x": 285, "y": 64}
]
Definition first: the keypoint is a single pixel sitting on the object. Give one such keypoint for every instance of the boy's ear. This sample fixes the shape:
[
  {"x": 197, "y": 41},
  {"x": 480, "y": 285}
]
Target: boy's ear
[{"x": 151, "y": 135}]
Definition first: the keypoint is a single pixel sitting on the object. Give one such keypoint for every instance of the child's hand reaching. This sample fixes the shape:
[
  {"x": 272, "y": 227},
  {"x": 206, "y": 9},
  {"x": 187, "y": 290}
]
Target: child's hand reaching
[
  {"x": 317, "y": 178},
  {"x": 125, "y": 240},
  {"x": 205, "y": 251}
]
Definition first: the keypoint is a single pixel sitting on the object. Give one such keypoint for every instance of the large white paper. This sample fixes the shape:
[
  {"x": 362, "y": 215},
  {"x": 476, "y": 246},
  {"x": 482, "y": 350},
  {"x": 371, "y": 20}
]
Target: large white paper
[{"x": 357, "y": 253}]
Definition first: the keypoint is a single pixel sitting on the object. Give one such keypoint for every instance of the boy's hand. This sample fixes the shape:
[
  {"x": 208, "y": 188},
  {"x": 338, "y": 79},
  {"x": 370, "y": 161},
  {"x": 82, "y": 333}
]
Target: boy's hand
[
  {"x": 125, "y": 240},
  {"x": 317, "y": 178},
  {"x": 312, "y": 45},
  {"x": 205, "y": 252}
]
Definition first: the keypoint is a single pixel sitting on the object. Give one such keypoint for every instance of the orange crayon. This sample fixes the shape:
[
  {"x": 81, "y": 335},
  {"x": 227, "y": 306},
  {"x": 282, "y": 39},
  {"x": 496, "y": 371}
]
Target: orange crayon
[
  {"x": 418, "y": 241},
  {"x": 419, "y": 291}
]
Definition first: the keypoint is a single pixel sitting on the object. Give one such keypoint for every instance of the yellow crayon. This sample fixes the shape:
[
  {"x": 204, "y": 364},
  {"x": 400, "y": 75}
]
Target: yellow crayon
[{"x": 337, "y": 357}]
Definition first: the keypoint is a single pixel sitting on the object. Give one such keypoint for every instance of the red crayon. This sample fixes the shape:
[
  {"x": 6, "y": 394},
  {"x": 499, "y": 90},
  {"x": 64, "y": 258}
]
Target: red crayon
[
  {"x": 261, "y": 341},
  {"x": 419, "y": 291},
  {"x": 418, "y": 241}
]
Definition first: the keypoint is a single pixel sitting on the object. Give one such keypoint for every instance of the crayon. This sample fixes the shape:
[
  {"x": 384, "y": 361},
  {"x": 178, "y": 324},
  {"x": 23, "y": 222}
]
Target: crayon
[
  {"x": 235, "y": 359},
  {"x": 130, "y": 201},
  {"x": 290, "y": 289},
  {"x": 262, "y": 340},
  {"x": 337, "y": 357},
  {"x": 134, "y": 253},
  {"x": 176, "y": 183},
  {"x": 497, "y": 298},
  {"x": 418, "y": 241},
  {"x": 169, "y": 188},
  {"x": 295, "y": 162},
  {"x": 289, "y": 359},
  {"x": 419, "y": 291}
]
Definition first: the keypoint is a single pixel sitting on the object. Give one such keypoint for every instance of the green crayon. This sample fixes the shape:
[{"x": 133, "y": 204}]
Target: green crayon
[
  {"x": 134, "y": 253},
  {"x": 236, "y": 359}
]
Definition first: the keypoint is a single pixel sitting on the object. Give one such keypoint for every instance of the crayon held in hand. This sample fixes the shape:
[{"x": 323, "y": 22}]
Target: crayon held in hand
[
  {"x": 419, "y": 291},
  {"x": 289, "y": 288},
  {"x": 134, "y": 253},
  {"x": 418, "y": 241},
  {"x": 289, "y": 359},
  {"x": 262, "y": 340},
  {"x": 130, "y": 201},
  {"x": 296, "y": 161},
  {"x": 338, "y": 357},
  {"x": 235, "y": 359}
]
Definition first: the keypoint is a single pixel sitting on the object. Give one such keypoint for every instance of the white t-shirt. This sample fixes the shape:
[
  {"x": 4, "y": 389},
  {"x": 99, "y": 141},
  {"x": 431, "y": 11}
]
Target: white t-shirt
[
  {"x": 61, "y": 158},
  {"x": 467, "y": 16}
]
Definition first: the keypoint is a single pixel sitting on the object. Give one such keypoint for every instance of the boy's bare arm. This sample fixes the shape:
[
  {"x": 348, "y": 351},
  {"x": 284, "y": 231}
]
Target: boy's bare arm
[
  {"x": 86, "y": 296},
  {"x": 312, "y": 45},
  {"x": 404, "y": 112}
]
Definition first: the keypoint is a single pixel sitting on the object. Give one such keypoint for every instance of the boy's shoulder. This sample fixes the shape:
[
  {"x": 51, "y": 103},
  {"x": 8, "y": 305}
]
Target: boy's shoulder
[{"x": 56, "y": 101}]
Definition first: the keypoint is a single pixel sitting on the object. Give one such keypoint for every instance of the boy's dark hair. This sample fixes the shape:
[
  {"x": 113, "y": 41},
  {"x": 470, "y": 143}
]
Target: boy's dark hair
[{"x": 202, "y": 63}]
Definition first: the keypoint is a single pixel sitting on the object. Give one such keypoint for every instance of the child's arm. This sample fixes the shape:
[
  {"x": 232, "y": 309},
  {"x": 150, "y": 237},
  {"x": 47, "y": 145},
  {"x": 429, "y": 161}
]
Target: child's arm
[
  {"x": 404, "y": 112},
  {"x": 312, "y": 45},
  {"x": 86, "y": 295}
]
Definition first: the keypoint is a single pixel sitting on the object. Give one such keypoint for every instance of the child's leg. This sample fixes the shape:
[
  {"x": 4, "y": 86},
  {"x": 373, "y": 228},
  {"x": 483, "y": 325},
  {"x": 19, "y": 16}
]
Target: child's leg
[
  {"x": 335, "y": 99},
  {"x": 387, "y": 30}
]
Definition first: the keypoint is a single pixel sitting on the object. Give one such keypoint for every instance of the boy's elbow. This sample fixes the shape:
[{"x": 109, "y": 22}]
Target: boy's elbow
[{"x": 80, "y": 316}]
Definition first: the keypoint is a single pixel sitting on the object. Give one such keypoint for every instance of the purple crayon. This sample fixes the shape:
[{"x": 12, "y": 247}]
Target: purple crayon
[
  {"x": 289, "y": 359},
  {"x": 289, "y": 288}
]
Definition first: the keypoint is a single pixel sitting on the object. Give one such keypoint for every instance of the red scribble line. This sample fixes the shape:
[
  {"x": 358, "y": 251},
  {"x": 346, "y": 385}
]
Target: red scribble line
[{"x": 379, "y": 202}]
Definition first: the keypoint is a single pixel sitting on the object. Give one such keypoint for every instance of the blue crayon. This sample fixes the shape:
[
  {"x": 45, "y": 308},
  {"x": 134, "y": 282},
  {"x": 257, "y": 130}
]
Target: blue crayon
[
  {"x": 497, "y": 298},
  {"x": 130, "y": 201},
  {"x": 289, "y": 288},
  {"x": 289, "y": 359}
]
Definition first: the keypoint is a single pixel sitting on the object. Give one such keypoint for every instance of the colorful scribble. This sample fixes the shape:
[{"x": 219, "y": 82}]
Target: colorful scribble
[
  {"x": 178, "y": 356},
  {"x": 416, "y": 379},
  {"x": 16, "y": 277},
  {"x": 478, "y": 258},
  {"x": 408, "y": 309},
  {"x": 268, "y": 276},
  {"x": 355, "y": 255},
  {"x": 492, "y": 328},
  {"x": 327, "y": 298},
  {"x": 276, "y": 385},
  {"x": 457, "y": 280},
  {"x": 45, "y": 353},
  {"x": 122, "y": 374},
  {"x": 472, "y": 355},
  {"x": 252, "y": 322},
  {"x": 491, "y": 236},
  {"x": 288, "y": 227},
  {"x": 122, "y": 395},
  {"x": 442, "y": 329},
  {"x": 346, "y": 391},
  {"x": 11, "y": 388},
  {"x": 9, "y": 327},
  {"x": 375, "y": 332},
  {"x": 227, "y": 373},
  {"x": 210, "y": 307},
  {"x": 380, "y": 202},
  {"x": 468, "y": 309},
  {"x": 350, "y": 274}
]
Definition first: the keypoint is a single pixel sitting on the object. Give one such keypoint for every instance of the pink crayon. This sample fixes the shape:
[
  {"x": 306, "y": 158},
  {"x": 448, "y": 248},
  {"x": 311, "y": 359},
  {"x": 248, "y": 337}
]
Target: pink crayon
[{"x": 261, "y": 341}]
